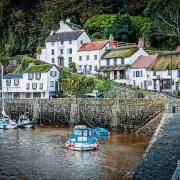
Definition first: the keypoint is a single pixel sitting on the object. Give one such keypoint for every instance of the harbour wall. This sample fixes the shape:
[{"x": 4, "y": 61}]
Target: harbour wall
[{"x": 112, "y": 113}]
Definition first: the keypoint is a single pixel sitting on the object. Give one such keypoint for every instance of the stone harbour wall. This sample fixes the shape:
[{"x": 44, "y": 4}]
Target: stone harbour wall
[{"x": 121, "y": 114}]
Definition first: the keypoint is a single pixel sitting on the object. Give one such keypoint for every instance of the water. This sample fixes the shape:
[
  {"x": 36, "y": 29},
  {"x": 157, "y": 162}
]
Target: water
[{"x": 40, "y": 154}]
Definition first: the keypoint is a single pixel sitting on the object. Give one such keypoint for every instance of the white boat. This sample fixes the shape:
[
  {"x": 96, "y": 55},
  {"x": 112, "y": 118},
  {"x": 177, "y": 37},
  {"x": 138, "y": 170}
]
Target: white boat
[
  {"x": 2, "y": 123},
  {"x": 25, "y": 122},
  {"x": 11, "y": 125}
]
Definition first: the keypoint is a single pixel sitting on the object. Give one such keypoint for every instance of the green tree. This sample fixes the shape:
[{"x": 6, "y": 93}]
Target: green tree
[
  {"x": 122, "y": 28},
  {"x": 72, "y": 66}
]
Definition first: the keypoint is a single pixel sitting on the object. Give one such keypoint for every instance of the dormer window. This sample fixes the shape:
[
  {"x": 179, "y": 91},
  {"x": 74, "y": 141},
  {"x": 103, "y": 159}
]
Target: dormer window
[
  {"x": 70, "y": 42},
  {"x": 115, "y": 61},
  {"x": 122, "y": 61},
  {"x": 8, "y": 82},
  {"x": 30, "y": 76},
  {"x": 16, "y": 82},
  {"x": 38, "y": 76}
]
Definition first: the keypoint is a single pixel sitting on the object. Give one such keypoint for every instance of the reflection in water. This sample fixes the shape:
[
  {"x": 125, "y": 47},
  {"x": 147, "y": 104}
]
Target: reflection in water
[{"x": 41, "y": 154}]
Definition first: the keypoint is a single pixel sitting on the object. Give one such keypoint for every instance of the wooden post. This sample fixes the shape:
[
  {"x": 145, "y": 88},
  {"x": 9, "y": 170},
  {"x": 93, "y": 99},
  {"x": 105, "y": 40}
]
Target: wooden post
[{"x": 115, "y": 111}]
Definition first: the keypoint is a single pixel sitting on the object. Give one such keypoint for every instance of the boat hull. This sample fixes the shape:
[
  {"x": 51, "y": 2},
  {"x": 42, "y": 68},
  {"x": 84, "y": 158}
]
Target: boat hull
[
  {"x": 2, "y": 126},
  {"x": 9, "y": 126},
  {"x": 82, "y": 149}
]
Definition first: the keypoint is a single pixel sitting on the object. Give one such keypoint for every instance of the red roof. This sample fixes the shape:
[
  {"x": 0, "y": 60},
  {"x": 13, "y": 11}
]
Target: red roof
[
  {"x": 96, "y": 45},
  {"x": 144, "y": 61}
]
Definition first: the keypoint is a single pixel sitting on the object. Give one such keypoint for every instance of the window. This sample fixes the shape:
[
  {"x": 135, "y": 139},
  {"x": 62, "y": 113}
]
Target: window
[
  {"x": 95, "y": 57},
  {"x": 70, "y": 50},
  {"x": 30, "y": 76},
  {"x": 137, "y": 74},
  {"x": 40, "y": 85},
  {"x": 90, "y": 67},
  {"x": 52, "y": 84},
  {"x": 27, "y": 85},
  {"x": 115, "y": 61},
  {"x": 61, "y": 51},
  {"x": 122, "y": 61},
  {"x": 81, "y": 42},
  {"x": 52, "y": 43},
  {"x": 80, "y": 58},
  {"x": 52, "y": 60},
  {"x": 70, "y": 42},
  {"x": 141, "y": 73},
  {"x": 43, "y": 94},
  {"x": 149, "y": 83},
  {"x": 178, "y": 73},
  {"x": 70, "y": 59},
  {"x": 107, "y": 62},
  {"x": 95, "y": 68},
  {"x": 16, "y": 82},
  {"x": 53, "y": 73},
  {"x": 62, "y": 42},
  {"x": 38, "y": 76},
  {"x": 52, "y": 51},
  {"x": 8, "y": 82},
  {"x": 87, "y": 57},
  {"x": 169, "y": 72},
  {"x": 154, "y": 73},
  {"x": 34, "y": 85},
  {"x": 134, "y": 73},
  {"x": 79, "y": 67}
]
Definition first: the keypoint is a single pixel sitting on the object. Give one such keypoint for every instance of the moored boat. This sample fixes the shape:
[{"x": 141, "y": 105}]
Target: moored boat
[
  {"x": 2, "y": 123},
  {"x": 25, "y": 122},
  {"x": 101, "y": 132},
  {"x": 82, "y": 139},
  {"x": 11, "y": 124}
]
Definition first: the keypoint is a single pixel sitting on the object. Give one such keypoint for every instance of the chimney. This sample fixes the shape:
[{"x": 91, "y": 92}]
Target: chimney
[
  {"x": 68, "y": 20},
  {"x": 111, "y": 41},
  {"x": 52, "y": 33},
  {"x": 141, "y": 43},
  {"x": 31, "y": 64},
  {"x": 61, "y": 23},
  {"x": 178, "y": 48}
]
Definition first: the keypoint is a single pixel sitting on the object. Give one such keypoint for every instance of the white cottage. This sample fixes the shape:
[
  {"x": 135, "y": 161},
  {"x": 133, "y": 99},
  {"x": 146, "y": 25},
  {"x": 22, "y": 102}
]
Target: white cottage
[
  {"x": 115, "y": 62},
  {"x": 89, "y": 56},
  {"x": 61, "y": 47},
  {"x": 138, "y": 72},
  {"x": 164, "y": 73},
  {"x": 36, "y": 81}
]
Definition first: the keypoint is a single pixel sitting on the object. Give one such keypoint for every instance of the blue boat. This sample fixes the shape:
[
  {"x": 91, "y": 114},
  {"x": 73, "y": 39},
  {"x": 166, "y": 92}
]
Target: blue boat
[
  {"x": 2, "y": 123},
  {"x": 101, "y": 132},
  {"x": 82, "y": 139}
]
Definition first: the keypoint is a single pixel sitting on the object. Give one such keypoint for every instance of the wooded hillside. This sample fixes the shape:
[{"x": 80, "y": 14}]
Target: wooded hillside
[{"x": 24, "y": 25}]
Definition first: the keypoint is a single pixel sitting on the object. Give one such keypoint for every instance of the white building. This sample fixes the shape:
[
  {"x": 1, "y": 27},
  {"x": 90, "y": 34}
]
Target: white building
[
  {"x": 89, "y": 56},
  {"x": 164, "y": 73},
  {"x": 35, "y": 81},
  {"x": 61, "y": 47},
  {"x": 115, "y": 62},
  {"x": 138, "y": 72}
]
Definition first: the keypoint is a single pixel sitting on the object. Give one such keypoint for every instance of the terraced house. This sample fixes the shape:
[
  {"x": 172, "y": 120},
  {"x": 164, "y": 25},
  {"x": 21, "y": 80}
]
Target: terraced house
[
  {"x": 36, "y": 81},
  {"x": 164, "y": 73},
  {"x": 115, "y": 63}
]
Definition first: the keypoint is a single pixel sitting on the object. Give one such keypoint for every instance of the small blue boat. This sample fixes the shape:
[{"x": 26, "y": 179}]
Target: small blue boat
[
  {"x": 82, "y": 139},
  {"x": 2, "y": 123},
  {"x": 101, "y": 132}
]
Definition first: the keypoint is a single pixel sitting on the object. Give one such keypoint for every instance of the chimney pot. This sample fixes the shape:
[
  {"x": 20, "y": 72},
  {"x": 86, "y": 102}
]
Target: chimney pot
[
  {"x": 111, "y": 41},
  {"x": 141, "y": 43},
  {"x": 68, "y": 20},
  {"x": 61, "y": 23},
  {"x": 178, "y": 48}
]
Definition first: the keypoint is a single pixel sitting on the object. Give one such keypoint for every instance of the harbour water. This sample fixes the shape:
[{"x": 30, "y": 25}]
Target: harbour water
[{"x": 41, "y": 154}]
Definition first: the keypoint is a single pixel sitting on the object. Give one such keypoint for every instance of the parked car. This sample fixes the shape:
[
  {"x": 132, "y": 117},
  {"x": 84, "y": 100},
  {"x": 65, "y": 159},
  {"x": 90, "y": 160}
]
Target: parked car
[{"x": 94, "y": 95}]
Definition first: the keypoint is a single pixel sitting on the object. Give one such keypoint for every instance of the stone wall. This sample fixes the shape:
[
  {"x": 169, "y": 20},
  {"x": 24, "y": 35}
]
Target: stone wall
[{"x": 122, "y": 114}]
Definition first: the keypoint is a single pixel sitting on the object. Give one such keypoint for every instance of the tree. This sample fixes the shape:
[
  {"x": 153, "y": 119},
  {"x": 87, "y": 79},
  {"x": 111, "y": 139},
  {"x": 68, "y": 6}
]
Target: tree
[
  {"x": 166, "y": 15},
  {"x": 75, "y": 84},
  {"x": 122, "y": 28},
  {"x": 72, "y": 65}
]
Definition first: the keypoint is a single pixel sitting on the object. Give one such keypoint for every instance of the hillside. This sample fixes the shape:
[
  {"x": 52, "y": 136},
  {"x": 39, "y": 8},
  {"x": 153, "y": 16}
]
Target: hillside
[{"x": 24, "y": 25}]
